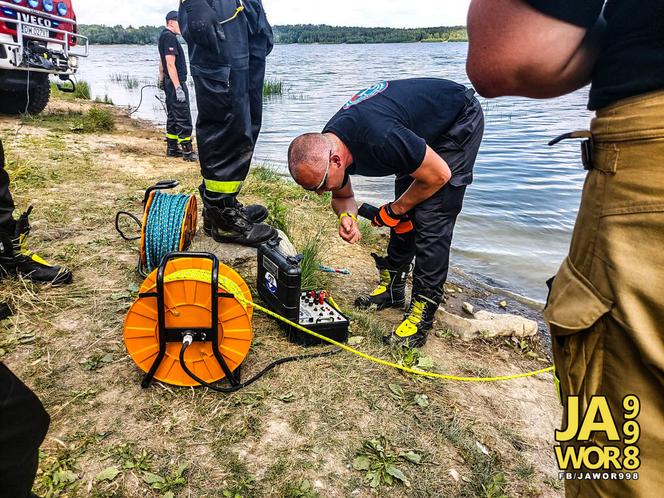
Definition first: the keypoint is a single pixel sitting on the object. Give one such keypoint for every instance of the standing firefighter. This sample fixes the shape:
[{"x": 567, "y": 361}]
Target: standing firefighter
[
  {"x": 173, "y": 80},
  {"x": 228, "y": 43},
  {"x": 606, "y": 306},
  {"x": 425, "y": 131}
]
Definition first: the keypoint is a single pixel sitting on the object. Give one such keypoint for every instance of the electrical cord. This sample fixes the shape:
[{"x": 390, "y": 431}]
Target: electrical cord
[{"x": 188, "y": 339}]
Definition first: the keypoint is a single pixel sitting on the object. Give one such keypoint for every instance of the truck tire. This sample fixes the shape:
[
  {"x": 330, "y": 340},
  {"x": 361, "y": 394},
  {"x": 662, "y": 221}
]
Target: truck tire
[{"x": 18, "y": 103}]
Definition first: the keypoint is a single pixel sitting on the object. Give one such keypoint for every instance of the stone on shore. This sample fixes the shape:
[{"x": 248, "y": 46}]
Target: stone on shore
[{"x": 485, "y": 325}]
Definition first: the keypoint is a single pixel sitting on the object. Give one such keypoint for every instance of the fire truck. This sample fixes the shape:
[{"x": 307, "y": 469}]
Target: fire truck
[{"x": 38, "y": 38}]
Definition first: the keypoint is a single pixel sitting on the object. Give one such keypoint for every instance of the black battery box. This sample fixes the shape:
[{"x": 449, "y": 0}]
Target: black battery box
[{"x": 279, "y": 284}]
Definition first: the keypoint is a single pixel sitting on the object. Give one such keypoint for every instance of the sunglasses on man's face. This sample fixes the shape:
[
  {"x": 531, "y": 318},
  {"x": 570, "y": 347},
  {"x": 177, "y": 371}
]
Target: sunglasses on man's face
[{"x": 322, "y": 184}]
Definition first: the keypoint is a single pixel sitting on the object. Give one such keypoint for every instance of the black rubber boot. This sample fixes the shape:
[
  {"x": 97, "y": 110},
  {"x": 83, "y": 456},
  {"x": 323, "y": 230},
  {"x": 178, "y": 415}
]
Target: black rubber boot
[
  {"x": 173, "y": 148},
  {"x": 15, "y": 259},
  {"x": 231, "y": 225},
  {"x": 188, "y": 153},
  {"x": 417, "y": 322},
  {"x": 255, "y": 213},
  {"x": 391, "y": 291}
]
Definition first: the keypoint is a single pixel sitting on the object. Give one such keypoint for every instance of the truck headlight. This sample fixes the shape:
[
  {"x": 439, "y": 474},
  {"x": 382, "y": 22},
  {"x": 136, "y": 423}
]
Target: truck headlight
[
  {"x": 73, "y": 61},
  {"x": 62, "y": 9},
  {"x": 48, "y": 5},
  {"x": 33, "y": 3}
]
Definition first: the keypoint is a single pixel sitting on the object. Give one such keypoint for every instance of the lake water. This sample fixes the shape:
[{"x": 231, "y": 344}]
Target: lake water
[{"x": 518, "y": 215}]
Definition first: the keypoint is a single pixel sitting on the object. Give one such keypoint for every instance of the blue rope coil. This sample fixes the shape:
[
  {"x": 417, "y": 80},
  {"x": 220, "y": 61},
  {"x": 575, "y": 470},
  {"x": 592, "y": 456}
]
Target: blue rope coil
[{"x": 163, "y": 229}]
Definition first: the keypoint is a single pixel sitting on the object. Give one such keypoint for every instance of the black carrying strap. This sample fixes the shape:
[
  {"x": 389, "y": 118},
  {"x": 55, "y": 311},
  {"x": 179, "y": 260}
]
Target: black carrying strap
[{"x": 586, "y": 146}]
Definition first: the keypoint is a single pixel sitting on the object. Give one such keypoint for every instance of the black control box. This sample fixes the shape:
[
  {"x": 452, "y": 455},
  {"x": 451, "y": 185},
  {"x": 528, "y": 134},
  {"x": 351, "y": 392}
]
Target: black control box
[{"x": 279, "y": 284}]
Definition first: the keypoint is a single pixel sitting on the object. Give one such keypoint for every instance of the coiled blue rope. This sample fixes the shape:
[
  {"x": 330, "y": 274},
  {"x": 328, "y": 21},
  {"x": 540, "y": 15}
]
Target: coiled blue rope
[{"x": 163, "y": 228}]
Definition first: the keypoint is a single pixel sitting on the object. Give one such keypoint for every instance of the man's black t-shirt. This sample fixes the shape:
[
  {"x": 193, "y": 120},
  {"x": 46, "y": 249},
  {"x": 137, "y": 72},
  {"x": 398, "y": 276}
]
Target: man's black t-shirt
[
  {"x": 169, "y": 45},
  {"x": 387, "y": 127},
  {"x": 632, "y": 57}
]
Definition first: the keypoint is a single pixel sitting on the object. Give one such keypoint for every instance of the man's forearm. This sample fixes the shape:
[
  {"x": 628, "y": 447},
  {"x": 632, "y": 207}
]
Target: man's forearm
[
  {"x": 344, "y": 205},
  {"x": 417, "y": 193},
  {"x": 173, "y": 74}
]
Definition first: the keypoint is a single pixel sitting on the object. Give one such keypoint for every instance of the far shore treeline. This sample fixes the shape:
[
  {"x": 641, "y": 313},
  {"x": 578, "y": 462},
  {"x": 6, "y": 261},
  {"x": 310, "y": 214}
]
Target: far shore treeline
[{"x": 298, "y": 33}]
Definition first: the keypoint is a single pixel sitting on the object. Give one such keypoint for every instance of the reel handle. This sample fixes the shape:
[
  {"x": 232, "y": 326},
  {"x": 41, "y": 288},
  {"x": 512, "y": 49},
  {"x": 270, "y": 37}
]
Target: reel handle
[{"x": 161, "y": 185}]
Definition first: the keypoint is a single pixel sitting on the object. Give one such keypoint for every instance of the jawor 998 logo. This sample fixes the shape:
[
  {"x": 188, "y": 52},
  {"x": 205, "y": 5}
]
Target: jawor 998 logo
[{"x": 588, "y": 461}]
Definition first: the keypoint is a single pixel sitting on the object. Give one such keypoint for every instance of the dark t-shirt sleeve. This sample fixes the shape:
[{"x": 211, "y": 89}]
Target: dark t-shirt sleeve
[
  {"x": 403, "y": 150},
  {"x": 170, "y": 45},
  {"x": 582, "y": 13}
]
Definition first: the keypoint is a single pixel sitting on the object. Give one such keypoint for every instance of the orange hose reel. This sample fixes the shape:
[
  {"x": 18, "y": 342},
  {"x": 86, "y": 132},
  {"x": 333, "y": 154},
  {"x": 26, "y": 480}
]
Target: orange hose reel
[{"x": 179, "y": 298}]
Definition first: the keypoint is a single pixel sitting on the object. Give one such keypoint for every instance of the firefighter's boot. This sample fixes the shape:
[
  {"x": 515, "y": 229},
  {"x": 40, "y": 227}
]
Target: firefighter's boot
[
  {"x": 255, "y": 213},
  {"x": 417, "y": 322},
  {"x": 173, "y": 148},
  {"x": 232, "y": 224},
  {"x": 391, "y": 291},
  {"x": 16, "y": 259},
  {"x": 188, "y": 153}
]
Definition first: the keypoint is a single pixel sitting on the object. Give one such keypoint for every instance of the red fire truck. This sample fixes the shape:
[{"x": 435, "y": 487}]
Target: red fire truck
[{"x": 38, "y": 38}]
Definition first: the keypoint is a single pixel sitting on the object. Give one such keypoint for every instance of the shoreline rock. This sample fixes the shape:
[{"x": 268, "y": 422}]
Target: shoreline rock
[{"x": 485, "y": 324}]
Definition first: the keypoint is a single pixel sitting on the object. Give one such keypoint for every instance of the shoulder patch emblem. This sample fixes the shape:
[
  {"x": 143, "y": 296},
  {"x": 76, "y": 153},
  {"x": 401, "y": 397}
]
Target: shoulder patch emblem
[{"x": 366, "y": 94}]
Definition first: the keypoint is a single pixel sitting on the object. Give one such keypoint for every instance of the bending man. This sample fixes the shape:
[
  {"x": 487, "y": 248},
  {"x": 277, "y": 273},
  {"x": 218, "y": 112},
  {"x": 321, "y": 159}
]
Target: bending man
[{"x": 425, "y": 131}]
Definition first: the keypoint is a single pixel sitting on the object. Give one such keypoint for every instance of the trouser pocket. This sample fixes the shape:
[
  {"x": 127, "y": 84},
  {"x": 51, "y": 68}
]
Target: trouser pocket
[{"x": 576, "y": 314}]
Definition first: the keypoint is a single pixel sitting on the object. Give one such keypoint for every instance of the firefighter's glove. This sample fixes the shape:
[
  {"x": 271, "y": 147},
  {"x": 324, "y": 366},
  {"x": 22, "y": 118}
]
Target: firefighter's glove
[
  {"x": 203, "y": 25},
  {"x": 180, "y": 95},
  {"x": 388, "y": 218},
  {"x": 404, "y": 227}
]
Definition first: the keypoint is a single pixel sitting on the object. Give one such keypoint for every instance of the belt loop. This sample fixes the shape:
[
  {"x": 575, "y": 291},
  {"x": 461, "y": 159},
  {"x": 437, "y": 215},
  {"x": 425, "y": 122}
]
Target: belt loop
[{"x": 587, "y": 146}]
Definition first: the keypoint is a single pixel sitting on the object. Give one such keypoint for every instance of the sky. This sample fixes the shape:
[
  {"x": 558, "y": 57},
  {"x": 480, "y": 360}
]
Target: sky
[{"x": 384, "y": 13}]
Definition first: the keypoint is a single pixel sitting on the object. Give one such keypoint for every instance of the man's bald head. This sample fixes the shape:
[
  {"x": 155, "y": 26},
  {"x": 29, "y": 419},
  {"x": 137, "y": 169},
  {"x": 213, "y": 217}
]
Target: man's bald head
[{"x": 308, "y": 158}]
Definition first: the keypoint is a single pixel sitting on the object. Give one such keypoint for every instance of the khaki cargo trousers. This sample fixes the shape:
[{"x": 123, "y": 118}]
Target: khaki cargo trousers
[{"x": 606, "y": 306}]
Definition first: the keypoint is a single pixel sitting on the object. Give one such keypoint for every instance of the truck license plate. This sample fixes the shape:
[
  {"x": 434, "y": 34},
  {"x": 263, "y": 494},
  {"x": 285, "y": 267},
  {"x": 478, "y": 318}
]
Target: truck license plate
[{"x": 33, "y": 31}]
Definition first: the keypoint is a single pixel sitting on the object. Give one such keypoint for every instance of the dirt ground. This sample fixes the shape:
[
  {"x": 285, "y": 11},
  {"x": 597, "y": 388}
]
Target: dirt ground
[{"x": 337, "y": 426}]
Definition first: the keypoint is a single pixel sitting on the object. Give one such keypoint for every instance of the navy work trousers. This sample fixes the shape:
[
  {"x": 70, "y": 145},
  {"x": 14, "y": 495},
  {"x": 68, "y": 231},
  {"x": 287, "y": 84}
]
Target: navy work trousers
[
  {"x": 178, "y": 114},
  {"x": 229, "y": 94},
  {"x": 434, "y": 219},
  {"x": 6, "y": 202}
]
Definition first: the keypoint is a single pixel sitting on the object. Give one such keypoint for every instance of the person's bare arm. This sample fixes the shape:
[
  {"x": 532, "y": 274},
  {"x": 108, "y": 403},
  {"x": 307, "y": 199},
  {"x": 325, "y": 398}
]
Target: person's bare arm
[
  {"x": 430, "y": 177},
  {"x": 161, "y": 71},
  {"x": 343, "y": 201},
  {"x": 516, "y": 50},
  {"x": 172, "y": 71}
]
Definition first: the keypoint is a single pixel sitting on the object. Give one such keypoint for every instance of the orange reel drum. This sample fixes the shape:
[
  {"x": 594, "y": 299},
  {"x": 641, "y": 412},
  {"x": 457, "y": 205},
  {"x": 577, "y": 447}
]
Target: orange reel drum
[{"x": 188, "y": 304}]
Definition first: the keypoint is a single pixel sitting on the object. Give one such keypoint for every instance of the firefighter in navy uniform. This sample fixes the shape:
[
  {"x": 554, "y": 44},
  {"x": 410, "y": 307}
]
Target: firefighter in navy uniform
[
  {"x": 173, "y": 80},
  {"x": 427, "y": 132},
  {"x": 228, "y": 43},
  {"x": 23, "y": 420}
]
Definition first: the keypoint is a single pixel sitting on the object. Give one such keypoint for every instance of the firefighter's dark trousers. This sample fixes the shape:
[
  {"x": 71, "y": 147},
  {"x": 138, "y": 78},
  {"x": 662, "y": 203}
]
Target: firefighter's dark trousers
[
  {"x": 229, "y": 93},
  {"x": 178, "y": 121},
  {"x": 6, "y": 201},
  {"x": 434, "y": 219},
  {"x": 23, "y": 426}
]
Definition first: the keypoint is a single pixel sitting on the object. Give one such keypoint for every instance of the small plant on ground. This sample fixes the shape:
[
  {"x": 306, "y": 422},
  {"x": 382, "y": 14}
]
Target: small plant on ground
[
  {"x": 411, "y": 358},
  {"x": 370, "y": 235},
  {"x": 277, "y": 218},
  {"x": 167, "y": 484},
  {"x": 311, "y": 261},
  {"x": 83, "y": 90},
  {"x": 380, "y": 464}
]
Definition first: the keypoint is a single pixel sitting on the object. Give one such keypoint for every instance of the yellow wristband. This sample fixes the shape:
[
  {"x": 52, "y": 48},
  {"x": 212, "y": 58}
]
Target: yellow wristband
[{"x": 350, "y": 215}]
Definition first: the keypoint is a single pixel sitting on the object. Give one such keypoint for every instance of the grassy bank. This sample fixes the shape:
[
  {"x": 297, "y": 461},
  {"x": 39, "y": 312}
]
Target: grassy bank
[{"x": 330, "y": 427}]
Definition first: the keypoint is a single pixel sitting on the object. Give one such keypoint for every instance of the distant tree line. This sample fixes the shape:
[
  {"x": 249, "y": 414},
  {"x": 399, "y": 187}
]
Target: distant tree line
[{"x": 299, "y": 33}]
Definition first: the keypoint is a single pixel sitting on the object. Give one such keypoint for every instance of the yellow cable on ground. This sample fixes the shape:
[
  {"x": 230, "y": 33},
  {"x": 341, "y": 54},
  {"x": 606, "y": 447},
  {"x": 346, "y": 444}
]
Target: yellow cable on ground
[{"x": 388, "y": 363}]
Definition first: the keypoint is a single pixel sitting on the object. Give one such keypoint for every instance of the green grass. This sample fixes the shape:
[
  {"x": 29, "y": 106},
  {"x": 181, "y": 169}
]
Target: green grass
[
  {"x": 273, "y": 87},
  {"x": 82, "y": 91},
  {"x": 94, "y": 120},
  {"x": 127, "y": 81},
  {"x": 311, "y": 251},
  {"x": 106, "y": 100}
]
